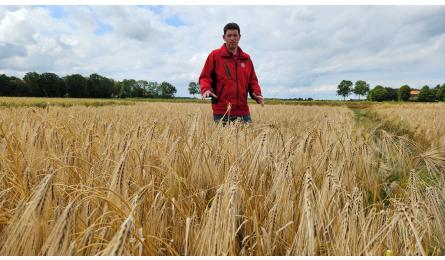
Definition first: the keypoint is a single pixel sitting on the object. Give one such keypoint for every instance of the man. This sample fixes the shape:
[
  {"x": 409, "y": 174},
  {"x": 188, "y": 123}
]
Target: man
[{"x": 228, "y": 75}]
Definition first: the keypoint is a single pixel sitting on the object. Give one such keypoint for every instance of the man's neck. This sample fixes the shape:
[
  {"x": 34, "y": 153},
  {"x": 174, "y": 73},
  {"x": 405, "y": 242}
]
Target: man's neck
[{"x": 234, "y": 51}]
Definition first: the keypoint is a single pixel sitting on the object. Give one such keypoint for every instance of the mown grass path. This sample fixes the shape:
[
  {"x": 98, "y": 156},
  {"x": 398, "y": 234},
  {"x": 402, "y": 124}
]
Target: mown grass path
[{"x": 386, "y": 132}]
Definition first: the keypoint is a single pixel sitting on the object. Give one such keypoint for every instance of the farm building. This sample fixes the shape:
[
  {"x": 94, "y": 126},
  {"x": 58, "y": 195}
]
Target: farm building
[{"x": 414, "y": 94}]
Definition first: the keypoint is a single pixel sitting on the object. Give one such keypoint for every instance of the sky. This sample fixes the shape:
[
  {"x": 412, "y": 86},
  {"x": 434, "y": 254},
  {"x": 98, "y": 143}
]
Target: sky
[{"x": 298, "y": 51}]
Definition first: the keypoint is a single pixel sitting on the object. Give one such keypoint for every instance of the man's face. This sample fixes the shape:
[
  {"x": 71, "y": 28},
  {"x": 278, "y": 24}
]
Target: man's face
[{"x": 231, "y": 38}]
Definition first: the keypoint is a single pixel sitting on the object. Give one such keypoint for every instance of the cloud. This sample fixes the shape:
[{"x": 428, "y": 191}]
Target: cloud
[
  {"x": 8, "y": 50},
  {"x": 298, "y": 51}
]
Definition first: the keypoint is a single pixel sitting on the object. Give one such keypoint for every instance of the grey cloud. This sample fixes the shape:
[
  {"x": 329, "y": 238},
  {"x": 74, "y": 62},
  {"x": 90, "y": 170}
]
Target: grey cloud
[
  {"x": 298, "y": 51},
  {"x": 133, "y": 23},
  {"x": 8, "y": 50},
  {"x": 38, "y": 63}
]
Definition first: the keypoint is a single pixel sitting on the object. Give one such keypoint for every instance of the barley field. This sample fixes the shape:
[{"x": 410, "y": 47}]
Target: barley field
[
  {"x": 426, "y": 120},
  {"x": 164, "y": 179},
  {"x": 14, "y": 102}
]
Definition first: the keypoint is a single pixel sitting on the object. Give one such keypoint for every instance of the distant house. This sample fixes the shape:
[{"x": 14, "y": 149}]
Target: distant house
[{"x": 414, "y": 94}]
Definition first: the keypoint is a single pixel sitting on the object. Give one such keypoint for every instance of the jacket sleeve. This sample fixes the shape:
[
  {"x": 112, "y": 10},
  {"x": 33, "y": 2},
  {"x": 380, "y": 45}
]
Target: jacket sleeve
[
  {"x": 254, "y": 88},
  {"x": 205, "y": 79}
]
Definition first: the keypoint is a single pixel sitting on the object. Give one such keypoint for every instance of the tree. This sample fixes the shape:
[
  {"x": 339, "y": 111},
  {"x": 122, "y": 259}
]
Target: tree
[
  {"x": 435, "y": 92},
  {"x": 167, "y": 90},
  {"x": 13, "y": 86},
  {"x": 32, "y": 79},
  {"x": 404, "y": 93},
  {"x": 5, "y": 88},
  {"x": 361, "y": 88},
  {"x": 391, "y": 94},
  {"x": 141, "y": 88},
  {"x": 117, "y": 89},
  {"x": 440, "y": 95},
  {"x": 344, "y": 88},
  {"x": 76, "y": 85},
  {"x": 52, "y": 85},
  {"x": 379, "y": 93},
  {"x": 426, "y": 95},
  {"x": 128, "y": 86},
  {"x": 193, "y": 88},
  {"x": 152, "y": 89},
  {"x": 100, "y": 86},
  {"x": 19, "y": 87}
]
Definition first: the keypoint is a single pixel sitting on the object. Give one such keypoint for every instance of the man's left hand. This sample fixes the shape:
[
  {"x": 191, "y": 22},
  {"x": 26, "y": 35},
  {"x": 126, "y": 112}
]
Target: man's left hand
[{"x": 259, "y": 99}]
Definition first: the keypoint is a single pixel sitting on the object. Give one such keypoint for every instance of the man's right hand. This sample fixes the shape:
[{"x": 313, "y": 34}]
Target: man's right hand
[{"x": 207, "y": 94}]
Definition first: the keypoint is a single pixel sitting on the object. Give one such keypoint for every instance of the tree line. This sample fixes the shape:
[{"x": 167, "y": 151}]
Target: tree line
[
  {"x": 34, "y": 84},
  {"x": 382, "y": 93}
]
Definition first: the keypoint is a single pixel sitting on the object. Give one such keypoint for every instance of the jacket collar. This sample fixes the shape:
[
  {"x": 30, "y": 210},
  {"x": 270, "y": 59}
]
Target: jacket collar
[{"x": 225, "y": 52}]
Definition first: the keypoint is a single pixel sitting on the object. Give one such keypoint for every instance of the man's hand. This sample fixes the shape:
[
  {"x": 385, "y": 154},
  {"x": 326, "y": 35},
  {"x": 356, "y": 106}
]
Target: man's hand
[
  {"x": 259, "y": 99},
  {"x": 207, "y": 94}
]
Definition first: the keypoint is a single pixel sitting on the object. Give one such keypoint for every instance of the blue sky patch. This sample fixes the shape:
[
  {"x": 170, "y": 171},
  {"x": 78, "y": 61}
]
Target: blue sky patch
[
  {"x": 174, "y": 21},
  {"x": 103, "y": 29},
  {"x": 157, "y": 9},
  {"x": 56, "y": 11}
]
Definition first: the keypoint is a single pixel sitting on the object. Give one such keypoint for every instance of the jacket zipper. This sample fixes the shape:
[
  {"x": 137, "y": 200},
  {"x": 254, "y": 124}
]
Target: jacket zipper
[
  {"x": 220, "y": 93},
  {"x": 236, "y": 78},
  {"x": 227, "y": 72}
]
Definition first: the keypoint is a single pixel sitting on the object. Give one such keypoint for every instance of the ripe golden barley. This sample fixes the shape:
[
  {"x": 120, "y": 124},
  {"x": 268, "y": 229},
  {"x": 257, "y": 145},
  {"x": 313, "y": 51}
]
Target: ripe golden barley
[{"x": 163, "y": 179}]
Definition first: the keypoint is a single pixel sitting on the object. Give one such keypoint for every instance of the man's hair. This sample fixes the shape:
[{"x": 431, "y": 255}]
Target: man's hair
[{"x": 232, "y": 26}]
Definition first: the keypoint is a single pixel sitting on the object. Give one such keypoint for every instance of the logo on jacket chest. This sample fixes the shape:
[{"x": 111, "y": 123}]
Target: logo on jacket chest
[{"x": 243, "y": 65}]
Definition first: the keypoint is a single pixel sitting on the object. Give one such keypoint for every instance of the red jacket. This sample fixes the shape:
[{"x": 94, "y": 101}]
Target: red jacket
[{"x": 230, "y": 78}]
